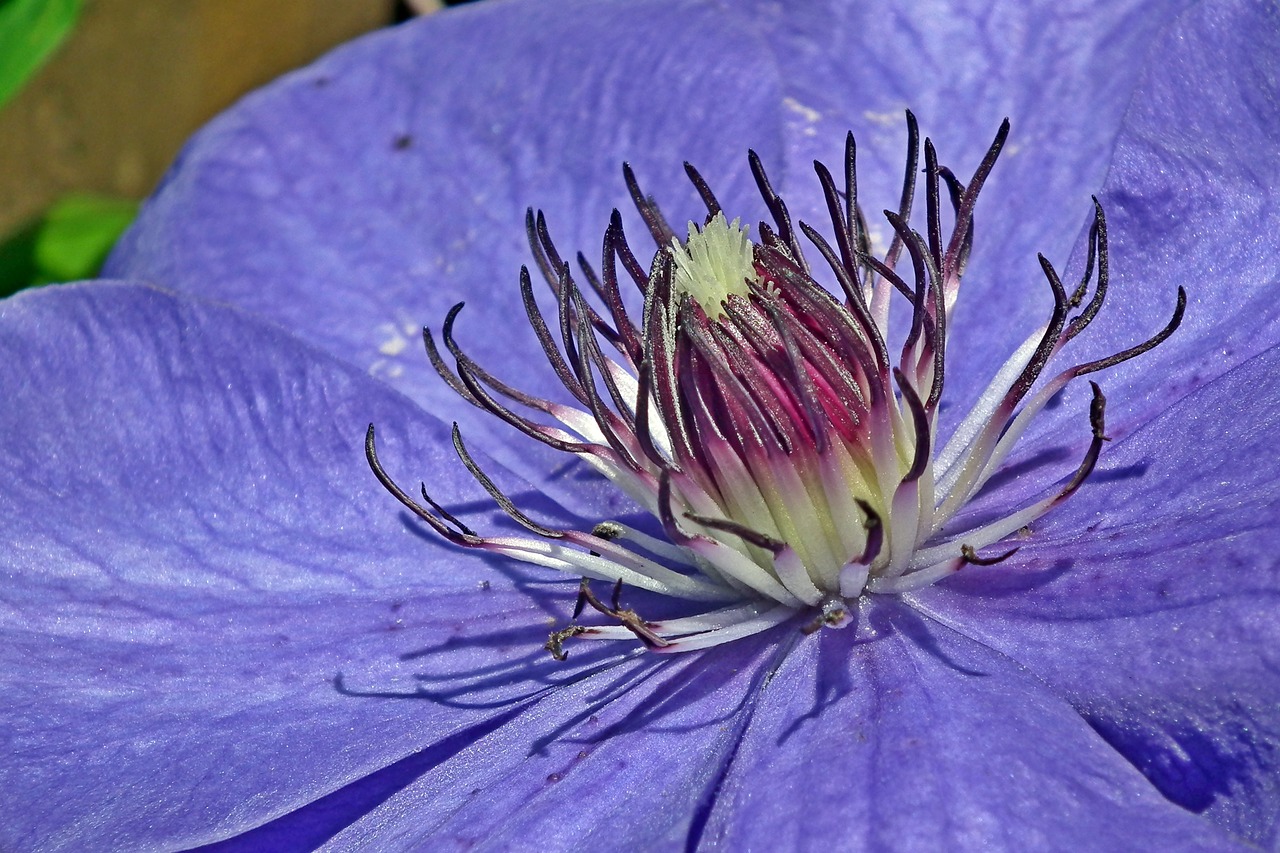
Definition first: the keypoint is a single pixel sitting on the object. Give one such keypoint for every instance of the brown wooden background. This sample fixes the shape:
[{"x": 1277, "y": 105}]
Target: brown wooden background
[{"x": 136, "y": 77}]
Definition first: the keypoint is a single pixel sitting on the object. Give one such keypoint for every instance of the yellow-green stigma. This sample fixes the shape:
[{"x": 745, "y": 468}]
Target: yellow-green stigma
[{"x": 714, "y": 263}]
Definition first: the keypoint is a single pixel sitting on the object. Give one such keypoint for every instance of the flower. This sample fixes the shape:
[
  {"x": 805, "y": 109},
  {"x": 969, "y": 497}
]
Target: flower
[
  {"x": 193, "y": 547},
  {"x": 753, "y": 413}
]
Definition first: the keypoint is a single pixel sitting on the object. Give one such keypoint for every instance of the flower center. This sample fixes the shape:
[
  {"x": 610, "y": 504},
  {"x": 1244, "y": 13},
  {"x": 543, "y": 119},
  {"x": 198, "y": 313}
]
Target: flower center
[
  {"x": 714, "y": 263},
  {"x": 780, "y": 430}
]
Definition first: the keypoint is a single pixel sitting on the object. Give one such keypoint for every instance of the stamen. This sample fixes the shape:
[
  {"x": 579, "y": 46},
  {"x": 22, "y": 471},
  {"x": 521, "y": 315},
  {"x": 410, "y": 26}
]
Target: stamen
[
  {"x": 971, "y": 556},
  {"x": 908, "y": 195},
  {"x": 504, "y": 503},
  {"x": 778, "y": 209},
  {"x": 459, "y": 533},
  {"x": 753, "y": 409},
  {"x": 704, "y": 191}
]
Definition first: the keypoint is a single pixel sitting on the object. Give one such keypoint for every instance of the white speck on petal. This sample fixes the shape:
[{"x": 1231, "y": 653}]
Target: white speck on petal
[
  {"x": 887, "y": 119},
  {"x": 393, "y": 342},
  {"x": 809, "y": 114}
]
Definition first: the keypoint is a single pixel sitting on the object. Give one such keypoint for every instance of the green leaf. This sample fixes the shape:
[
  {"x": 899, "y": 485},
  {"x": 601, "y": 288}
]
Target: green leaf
[
  {"x": 30, "y": 30},
  {"x": 77, "y": 233},
  {"x": 70, "y": 242},
  {"x": 18, "y": 259}
]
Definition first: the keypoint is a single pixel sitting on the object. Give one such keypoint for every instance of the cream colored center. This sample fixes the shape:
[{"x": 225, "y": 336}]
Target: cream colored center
[{"x": 714, "y": 263}]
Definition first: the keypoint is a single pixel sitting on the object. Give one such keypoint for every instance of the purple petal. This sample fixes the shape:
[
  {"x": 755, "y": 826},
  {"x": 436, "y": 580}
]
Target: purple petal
[
  {"x": 1190, "y": 202},
  {"x": 189, "y": 667},
  {"x": 908, "y": 737},
  {"x": 1192, "y": 199},
  {"x": 622, "y": 766},
  {"x": 913, "y": 737},
  {"x": 193, "y": 549},
  {"x": 1149, "y": 600}
]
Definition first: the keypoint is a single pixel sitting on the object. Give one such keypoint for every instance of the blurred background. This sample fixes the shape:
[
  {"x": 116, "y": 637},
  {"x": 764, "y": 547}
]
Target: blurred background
[{"x": 97, "y": 96}]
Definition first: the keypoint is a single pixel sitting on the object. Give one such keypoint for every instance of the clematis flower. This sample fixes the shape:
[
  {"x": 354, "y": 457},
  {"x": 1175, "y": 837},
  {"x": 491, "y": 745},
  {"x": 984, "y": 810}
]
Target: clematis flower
[
  {"x": 753, "y": 413},
  {"x": 217, "y": 628}
]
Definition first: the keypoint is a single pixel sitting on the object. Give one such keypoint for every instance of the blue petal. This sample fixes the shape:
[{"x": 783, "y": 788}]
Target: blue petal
[
  {"x": 1191, "y": 193},
  {"x": 1191, "y": 203},
  {"x": 1149, "y": 601},
  {"x": 904, "y": 735},
  {"x": 621, "y": 762},
  {"x": 193, "y": 549}
]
